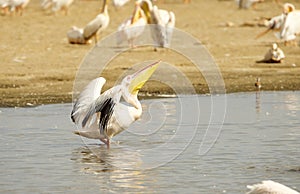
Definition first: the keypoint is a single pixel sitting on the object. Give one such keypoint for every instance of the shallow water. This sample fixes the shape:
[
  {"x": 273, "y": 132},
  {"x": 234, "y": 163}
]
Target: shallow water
[{"x": 176, "y": 147}]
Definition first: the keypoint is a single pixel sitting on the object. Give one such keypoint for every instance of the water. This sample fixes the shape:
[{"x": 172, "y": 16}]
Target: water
[{"x": 175, "y": 148}]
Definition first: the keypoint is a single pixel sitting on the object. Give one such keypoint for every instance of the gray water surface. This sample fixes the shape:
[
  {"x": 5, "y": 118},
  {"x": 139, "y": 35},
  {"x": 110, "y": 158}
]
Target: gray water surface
[{"x": 177, "y": 147}]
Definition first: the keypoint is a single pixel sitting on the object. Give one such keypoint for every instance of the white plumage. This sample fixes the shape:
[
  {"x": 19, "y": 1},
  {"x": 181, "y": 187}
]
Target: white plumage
[
  {"x": 102, "y": 116},
  {"x": 270, "y": 187},
  {"x": 163, "y": 20},
  {"x": 12, "y": 6},
  {"x": 119, "y": 3},
  {"x": 92, "y": 29},
  {"x": 133, "y": 27},
  {"x": 57, "y": 5},
  {"x": 291, "y": 26},
  {"x": 285, "y": 26}
]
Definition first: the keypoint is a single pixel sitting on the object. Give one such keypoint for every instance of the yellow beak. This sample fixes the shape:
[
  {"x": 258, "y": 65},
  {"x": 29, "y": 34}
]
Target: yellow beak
[{"x": 140, "y": 78}]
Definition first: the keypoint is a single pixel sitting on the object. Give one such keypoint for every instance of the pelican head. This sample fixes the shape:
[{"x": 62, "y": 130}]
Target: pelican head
[{"x": 133, "y": 83}]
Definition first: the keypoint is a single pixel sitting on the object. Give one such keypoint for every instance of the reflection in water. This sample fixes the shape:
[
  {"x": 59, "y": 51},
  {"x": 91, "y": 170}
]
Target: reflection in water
[
  {"x": 258, "y": 101},
  {"x": 115, "y": 168}
]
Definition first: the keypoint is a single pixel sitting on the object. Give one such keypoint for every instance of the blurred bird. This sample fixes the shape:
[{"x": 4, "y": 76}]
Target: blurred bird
[
  {"x": 4, "y": 4},
  {"x": 274, "y": 55},
  {"x": 164, "y": 23},
  {"x": 270, "y": 187},
  {"x": 257, "y": 83},
  {"x": 13, "y": 6},
  {"x": 97, "y": 25},
  {"x": 133, "y": 27},
  {"x": 75, "y": 36},
  {"x": 291, "y": 27},
  {"x": 285, "y": 26},
  {"x": 119, "y": 3},
  {"x": 246, "y": 4},
  {"x": 102, "y": 116},
  {"x": 57, "y": 5}
]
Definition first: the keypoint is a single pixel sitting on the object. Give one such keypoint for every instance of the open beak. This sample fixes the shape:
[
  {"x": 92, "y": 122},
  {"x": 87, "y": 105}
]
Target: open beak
[
  {"x": 139, "y": 78},
  {"x": 135, "y": 15}
]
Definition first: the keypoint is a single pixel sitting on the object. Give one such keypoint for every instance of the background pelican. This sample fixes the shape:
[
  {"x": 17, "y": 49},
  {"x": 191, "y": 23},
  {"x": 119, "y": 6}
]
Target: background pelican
[
  {"x": 132, "y": 27},
  {"x": 286, "y": 26},
  {"x": 57, "y": 5},
  {"x": 290, "y": 27},
  {"x": 102, "y": 116},
  {"x": 245, "y": 4},
  {"x": 97, "y": 25},
  {"x": 13, "y": 6},
  {"x": 270, "y": 187},
  {"x": 119, "y": 3},
  {"x": 163, "y": 20}
]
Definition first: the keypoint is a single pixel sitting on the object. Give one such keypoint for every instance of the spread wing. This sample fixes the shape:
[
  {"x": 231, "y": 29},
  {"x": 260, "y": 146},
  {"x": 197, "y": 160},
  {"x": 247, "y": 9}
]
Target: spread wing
[
  {"x": 103, "y": 107},
  {"x": 90, "y": 93}
]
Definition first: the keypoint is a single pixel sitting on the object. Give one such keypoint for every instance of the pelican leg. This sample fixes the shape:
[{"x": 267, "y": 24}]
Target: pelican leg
[{"x": 106, "y": 141}]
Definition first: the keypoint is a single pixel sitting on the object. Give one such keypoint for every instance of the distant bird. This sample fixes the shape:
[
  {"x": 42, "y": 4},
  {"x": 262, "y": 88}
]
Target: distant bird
[
  {"x": 274, "y": 55},
  {"x": 257, "y": 83},
  {"x": 57, "y": 5},
  {"x": 133, "y": 27},
  {"x": 92, "y": 29},
  {"x": 4, "y": 4},
  {"x": 97, "y": 25},
  {"x": 246, "y": 4},
  {"x": 270, "y": 187},
  {"x": 102, "y": 116},
  {"x": 119, "y": 3},
  {"x": 13, "y": 6},
  {"x": 285, "y": 26},
  {"x": 291, "y": 27},
  {"x": 75, "y": 36},
  {"x": 164, "y": 23}
]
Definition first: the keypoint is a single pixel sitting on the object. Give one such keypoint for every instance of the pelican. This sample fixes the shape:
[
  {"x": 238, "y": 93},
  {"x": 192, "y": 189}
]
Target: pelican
[
  {"x": 16, "y": 6},
  {"x": 132, "y": 27},
  {"x": 286, "y": 26},
  {"x": 163, "y": 20},
  {"x": 245, "y": 4},
  {"x": 97, "y": 25},
  {"x": 119, "y": 3},
  {"x": 291, "y": 26},
  {"x": 57, "y": 5},
  {"x": 4, "y": 4},
  {"x": 102, "y": 116},
  {"x": 270, "y": 187},
  {"x": 274, "y": 55}
]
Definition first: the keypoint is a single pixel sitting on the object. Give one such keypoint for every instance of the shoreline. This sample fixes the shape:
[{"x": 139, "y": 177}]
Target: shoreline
[{"x": 40, "y": 68}]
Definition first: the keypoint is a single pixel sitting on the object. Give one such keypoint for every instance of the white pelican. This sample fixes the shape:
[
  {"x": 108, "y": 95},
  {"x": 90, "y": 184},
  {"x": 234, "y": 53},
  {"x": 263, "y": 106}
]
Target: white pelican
[
  {"x": 132, "y": 27},
  {"x": 291, "y": 26},
  {"x": 102, "y": 116},
  {"x": 119, "y": 3},
  {"x": 12, "y": 6},
  {"x": 57, "y": 5},
  {"x": 164, "y": 23},
  {"x": 285, "y": 26},
  {"x": 274, "y": 55},
  {"x": 245, "y": 4},
  {"x": 270, "y": 187},
  {"x": 75, "y": 36},
  {"x": 97, "y": 25},
  {"x": 4, "y": 4}
]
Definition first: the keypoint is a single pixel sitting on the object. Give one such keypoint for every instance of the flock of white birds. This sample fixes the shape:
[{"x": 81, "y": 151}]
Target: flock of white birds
[
  {"x": 144, "y": 13},
  {"x": 286, "y": 26}
]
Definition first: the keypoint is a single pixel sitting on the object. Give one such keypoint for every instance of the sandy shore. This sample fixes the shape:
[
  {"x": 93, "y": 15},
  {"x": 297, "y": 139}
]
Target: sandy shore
[{"x": 38, "y": 66}]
